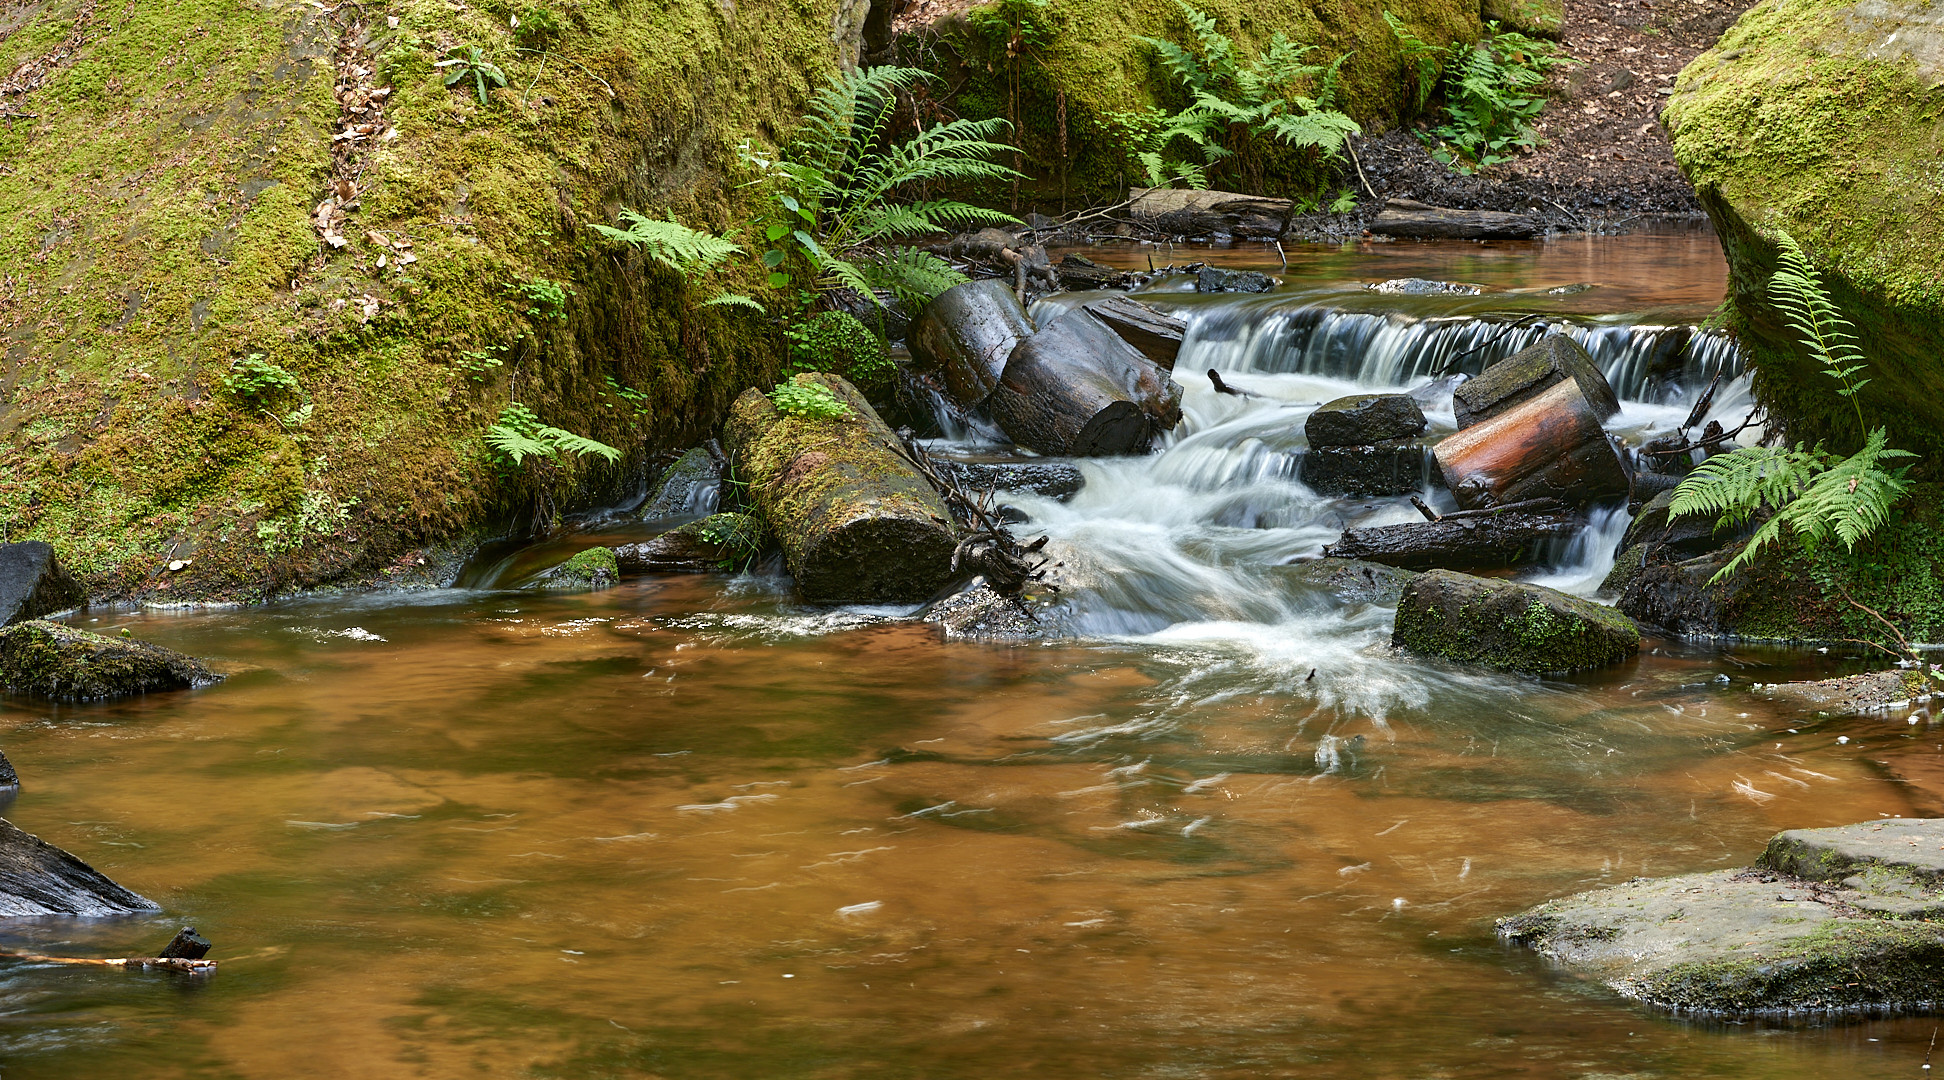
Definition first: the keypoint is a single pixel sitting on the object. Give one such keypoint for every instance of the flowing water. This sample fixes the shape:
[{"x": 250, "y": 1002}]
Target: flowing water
[{"x": 688, "y": 828}]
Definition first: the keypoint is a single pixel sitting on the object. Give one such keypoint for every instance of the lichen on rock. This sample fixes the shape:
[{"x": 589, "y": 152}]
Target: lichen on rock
[
  {"x": 1509, "y": 625},
  {"x": 54, "y": 660}
]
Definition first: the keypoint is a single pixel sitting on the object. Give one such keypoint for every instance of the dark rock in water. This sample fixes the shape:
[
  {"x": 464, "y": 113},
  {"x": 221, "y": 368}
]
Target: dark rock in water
[
  {"x": 186, "y": 945},
  {"x": 1852, "y": 695},
  {"x": 1361, "y": 419},
  {"x": 692, "y": 485},
  {"x": 1079, "y": 273},
  {"x": 32, "y": 583},
  {"x": 37, "y": 878},
  {"x": 8, "y": 777},
  {"x": 57, "y": 661},
  {"x": 1488, "y": 542},
  {"x": 1211, "y": 279},
  {"x": 1830, "y": 920},
  {"x": 981, "y": 614},
  {"x": 1682, "y": 537},
  {"x": 718, "y": 542},
  {"x": 1421, "y": 287},
  {"x": 1626, "y": 567},
  {"x": 1389, "y": 468},
  {"x": 1060, "y": 480},
  {"x": 588, "y": 570},
  {"x": 1528, "y": 373},
  {"x": 1354, "y": 581},
  {"x": 1510, "y": 625}
]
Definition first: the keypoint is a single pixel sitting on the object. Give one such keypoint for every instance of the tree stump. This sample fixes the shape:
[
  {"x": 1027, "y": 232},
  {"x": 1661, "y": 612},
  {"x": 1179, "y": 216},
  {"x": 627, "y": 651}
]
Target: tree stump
[
  {"x": 1076, "y": 389},
  {"x": 1550, "y": 446},
  {"x": 1528, "y": 373}
]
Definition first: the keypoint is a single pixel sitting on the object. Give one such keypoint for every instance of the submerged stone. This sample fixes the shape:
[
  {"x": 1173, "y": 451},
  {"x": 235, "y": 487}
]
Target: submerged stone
[
  {"x": 1354, "y": 581},
  {"x": 591, "y": 569},
  {"x": 1510, "y": 625},
  {"x": 37, "y": 878},
  {"x": 32, "y": 583},
  {"x": 981, "y": 614},
  {"x": 1830, "y": 920},
  {"x": 58, "y": 661}
]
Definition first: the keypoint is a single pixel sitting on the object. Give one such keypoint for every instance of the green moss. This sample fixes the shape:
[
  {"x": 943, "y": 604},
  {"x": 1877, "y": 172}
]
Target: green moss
[
  {"x": 836, "y": 342},
  {"x": 1843, "y": 964},
  {"x": 58, "y": 661},
  {"x": 1813, "y": 118},
  {"x": 154, "y": 222}
]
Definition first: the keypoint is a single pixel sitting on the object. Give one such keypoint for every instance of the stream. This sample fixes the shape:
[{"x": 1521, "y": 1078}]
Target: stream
[{"x": 688, "y": 827}]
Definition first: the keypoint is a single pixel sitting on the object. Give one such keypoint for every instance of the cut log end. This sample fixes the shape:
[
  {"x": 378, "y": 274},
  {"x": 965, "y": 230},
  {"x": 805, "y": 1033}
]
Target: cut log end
[{"x": 879, "y": 560}]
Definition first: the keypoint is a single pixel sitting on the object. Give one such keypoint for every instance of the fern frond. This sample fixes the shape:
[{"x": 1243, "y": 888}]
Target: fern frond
[
  {"x": 916, "y": 277},
  {"x": 1735, "y": 486},
  {"x": 1853, "y": 496},
  {"x": 567, "y": 442},
  {"x": 516, "y": 445},
  {"x": 735, "y": 300},
  {"x": 671, "y": 243}
]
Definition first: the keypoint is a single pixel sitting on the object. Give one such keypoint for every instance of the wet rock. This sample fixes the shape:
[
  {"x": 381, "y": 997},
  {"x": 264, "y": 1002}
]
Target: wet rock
[
  {"x": 1626, "y": 567},
  {"x": 1081, "y": 274},
  {"x": 716, "y": 543},
  {"x": 1210, "y": 279},
  {"x": 857, "y": 523},
  {"x": 1423, "y": 287},
  {"x": 967, "y": 334},
  {"x": 1060, "y": 480},
  {"x": 1389, "y": 468},
  {"x": 980, "y": 614},
  {"x": 1487, "y": 542},
  {"x": 1361, "y": 419},
  {"x": 1678, "y": 598},
  {"x": 8, "y": 777},
  {"x": 1510, "y": 625},
  {"x": 1672, "y": 539},
  {"x": 37, "y": 878},
  {"x": 1828, "y": 921},
  {"x": 32, "y": 583},
  {"x": 1076, "y": 389},
  {"x": 186, "y": 945},
  {"x": 1418, "y": 221},
  {"x": 588, "y": 570},
  {"x": 1153, "y": 334},
  {"x": 1529, "y": 373},
  {"x": 58, "y": 661},
  {"x": 692, "y": 485},
  {"x": 1849, "y": 695},
  {"x": 1353, "y": 581}
]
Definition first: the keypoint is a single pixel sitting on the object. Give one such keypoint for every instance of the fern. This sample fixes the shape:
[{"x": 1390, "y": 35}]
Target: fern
[
  {"x": 1815, "y": 494},
  {"x": 1490, "y": 88},
  {"x": 686, "y": 251},
  {"x": 519, "y": 437}
]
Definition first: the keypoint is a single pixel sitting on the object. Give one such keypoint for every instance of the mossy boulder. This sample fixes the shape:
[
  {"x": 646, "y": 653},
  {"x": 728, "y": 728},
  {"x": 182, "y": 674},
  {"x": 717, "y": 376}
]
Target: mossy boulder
[
  {"x": 1830, "y": 920},
  {"x": 593, "y": 568},
  {"x": 726, "y": 541},
  {"x": 1509, "y": 625},
  {"x": 160, "y": 225},
  {"x": 1820, "y": 118},
  {"x": 54, "y": 660},
  {"x": 839, "y": 343}
]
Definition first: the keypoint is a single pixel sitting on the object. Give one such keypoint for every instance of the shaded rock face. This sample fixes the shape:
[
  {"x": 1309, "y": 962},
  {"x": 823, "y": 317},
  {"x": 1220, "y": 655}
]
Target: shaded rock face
[
  {"x": 692, "y": 485},
  {"x": 37, "y": 878},
  {"x": 981, "y": 614},
  {"x": 1831, "y": 920},
  {"x": 1388, "y": 468},
  {"x": 1509, "y": 625},
  {"x": 1362, "y": 419},
  {"x": 592, "y": 569},
  {"x": 57, "y": 661},
  {"x": 1683, "y": 537},
  {"x": 32, "y": 583},
  {"x": 1354, "y": 581},
  {"x": 718, "y": 542}
]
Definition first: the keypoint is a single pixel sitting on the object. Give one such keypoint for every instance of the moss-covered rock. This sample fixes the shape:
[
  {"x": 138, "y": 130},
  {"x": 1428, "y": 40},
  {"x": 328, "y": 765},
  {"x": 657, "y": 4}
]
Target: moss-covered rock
[
  {"x": 1821, "y": 118},
  {"x": 54, "y": 660},
  {"x": 157, "y": 228},
  {"x": 719, "y": 542},
  {"x": 837, "y": 342},
  {"x": 693, "y": 485},
  {"x": 593, "y": 568},
  {"x": 1509, "y": 625}
]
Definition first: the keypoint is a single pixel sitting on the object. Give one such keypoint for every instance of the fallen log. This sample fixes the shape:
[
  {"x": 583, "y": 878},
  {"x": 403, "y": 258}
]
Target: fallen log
[
  {"x": 1081, "y": 274},
  {"x": 1550, "y": 446},
  {"x": 1483, "y": 543},
  {"x": 1202, "y": 213},
  {"x": 1528, "y": 373},
  {"x": 1417, "y": 221},
  {"x": 967, "y": 333},
  {"x": 858, "y": 524},
  {"x": 1075, "y": 389},
  {"x": 1153, "y": 334}
]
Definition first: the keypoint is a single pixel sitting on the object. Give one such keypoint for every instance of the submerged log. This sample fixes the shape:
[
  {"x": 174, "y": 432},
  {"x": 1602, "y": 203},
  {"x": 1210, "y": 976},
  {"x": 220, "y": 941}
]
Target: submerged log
[
  {"x": 1153, "y": 334},
  {"x": 37, "y": 878},
  {"x": 1528, "y": 373},
  {"x": 1075, "y": 389},
  {"x": 1550, "y": 446},
  {"x": 1417, "y": 221},
  {"x": 967, "y": 334},
  {"x": 1202, "y": 213},
  {"x": 1480, "y": 543},
  {"x": 858, "y": 524}
]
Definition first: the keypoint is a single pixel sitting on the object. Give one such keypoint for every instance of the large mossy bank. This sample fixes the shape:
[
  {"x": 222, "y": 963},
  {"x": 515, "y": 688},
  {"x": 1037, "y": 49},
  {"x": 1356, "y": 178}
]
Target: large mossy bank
[
  {"x": 158, "y": 224},
  {"x": 1822, "y": 119}
]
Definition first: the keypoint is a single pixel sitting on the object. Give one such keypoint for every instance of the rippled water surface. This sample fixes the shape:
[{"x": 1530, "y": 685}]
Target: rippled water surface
[{"x": 688, "y": 828}]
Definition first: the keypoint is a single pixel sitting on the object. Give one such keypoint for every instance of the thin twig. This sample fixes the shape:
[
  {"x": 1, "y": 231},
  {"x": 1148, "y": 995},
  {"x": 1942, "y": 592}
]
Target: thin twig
[
  {"x": 1371, "y": 191},
  {"x": 584, "y": 69},
  {"x": 170, "y": 963}
]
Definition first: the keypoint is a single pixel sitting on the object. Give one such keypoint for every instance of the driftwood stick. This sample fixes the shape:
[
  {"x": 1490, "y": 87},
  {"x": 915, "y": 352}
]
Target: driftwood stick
[
  {"x": 1523, "y": 506},
  {"x": 1425, "y": 509},
  {"x": 167, "y": 963}
]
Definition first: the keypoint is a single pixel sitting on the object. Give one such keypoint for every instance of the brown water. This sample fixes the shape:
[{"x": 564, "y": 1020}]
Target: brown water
[{"x": 687, "y": 828}]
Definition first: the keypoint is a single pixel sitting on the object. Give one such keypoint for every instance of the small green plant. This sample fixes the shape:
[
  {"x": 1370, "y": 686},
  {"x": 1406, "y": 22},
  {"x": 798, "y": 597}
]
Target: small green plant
[
  {"x": 519, "y": 437},
  {"x": 319, "y": 514},
  {"x": 1815, "y": 493},
  {"x": 689, "y": 252},
  {"x": 738, "y": 536},
  {"x": 1238, "y": 110},
  {"x": 535, "y": 25},
  {"x": 836, "y": 342},
  {"x": 1490, "y": 89},
  {"x": 471, "y": 62},
  {"x": 636, "y": 400},
  {"x": 545, "y": 299},
  {"x": 842, "y": 190},
  {"x": 807, "y": 401},
  {"x": 256, "y": 380},
  {"x": 478, "y": 364}
]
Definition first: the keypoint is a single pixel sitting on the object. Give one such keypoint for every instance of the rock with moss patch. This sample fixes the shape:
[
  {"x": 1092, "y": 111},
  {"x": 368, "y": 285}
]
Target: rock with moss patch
[
  {"x": 1509, "y": 625},
  {"x": 1363, "y": 419},
  {"x": 692, "y": 485},
  {"x": 53, "y": 660},
  {"x": 33, "y": 584},
  {"x": 718, "y": 542},
  {"x": 594, "y": 568},
  {"x": 1353, "y": 581},
  {"x": 1830, "y": 920}
]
